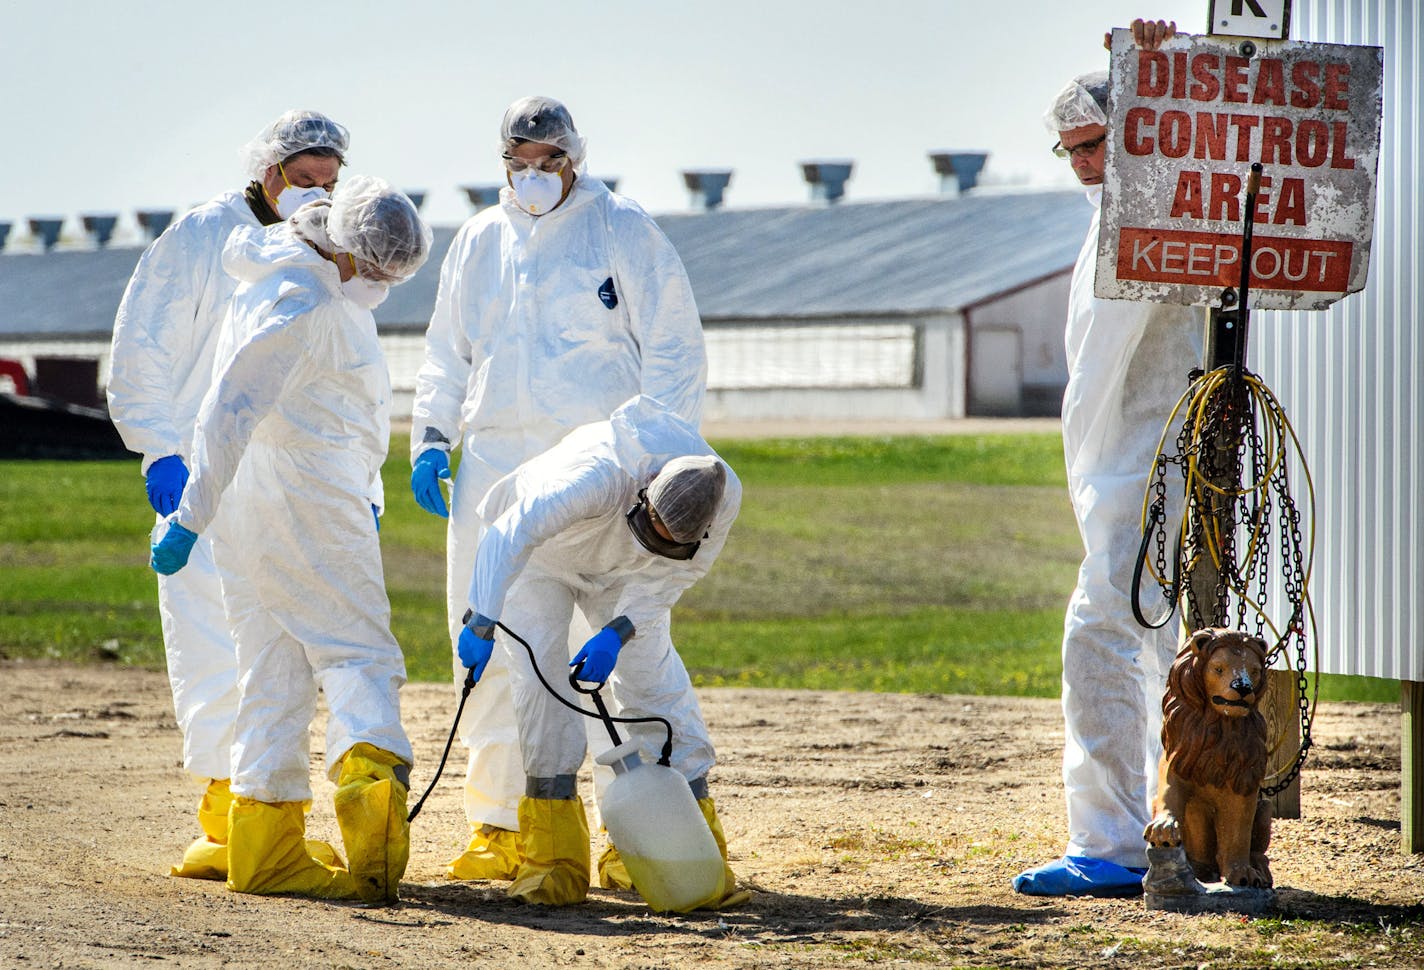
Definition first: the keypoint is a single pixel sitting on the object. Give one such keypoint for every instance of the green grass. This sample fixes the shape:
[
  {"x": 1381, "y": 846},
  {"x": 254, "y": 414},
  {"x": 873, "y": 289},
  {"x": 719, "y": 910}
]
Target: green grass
[
  {"x": 74, "y": 557},
  {"x": 991, "y": 459},
  {"x": 919, "y": 564},
  {"x": 933, "y": 649}
]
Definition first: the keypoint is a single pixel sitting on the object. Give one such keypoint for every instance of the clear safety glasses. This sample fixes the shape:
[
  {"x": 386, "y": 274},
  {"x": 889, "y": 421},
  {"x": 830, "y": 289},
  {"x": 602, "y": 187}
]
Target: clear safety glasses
[
  {"x": 549, "y": 164},
  {"x": 1082, "y": 150}
]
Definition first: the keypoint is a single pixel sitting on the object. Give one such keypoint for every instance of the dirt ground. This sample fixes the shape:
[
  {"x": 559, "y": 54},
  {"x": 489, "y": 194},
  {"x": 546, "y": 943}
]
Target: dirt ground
[{"x": 877, "y": 829}]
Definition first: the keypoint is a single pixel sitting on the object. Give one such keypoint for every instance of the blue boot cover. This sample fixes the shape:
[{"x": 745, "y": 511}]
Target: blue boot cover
[{"x": 1077, "y": 875}]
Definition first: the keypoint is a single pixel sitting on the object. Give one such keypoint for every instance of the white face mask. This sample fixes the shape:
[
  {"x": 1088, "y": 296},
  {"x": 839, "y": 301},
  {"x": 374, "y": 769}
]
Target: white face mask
[
  {"x": 292, "y": 198},
  {"x": 365, "y": 293},
  {"x": 537, "y": 192}
]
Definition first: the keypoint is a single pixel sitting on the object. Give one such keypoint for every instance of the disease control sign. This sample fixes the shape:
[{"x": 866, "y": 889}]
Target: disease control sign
[{"x": 1185, "y": 123}]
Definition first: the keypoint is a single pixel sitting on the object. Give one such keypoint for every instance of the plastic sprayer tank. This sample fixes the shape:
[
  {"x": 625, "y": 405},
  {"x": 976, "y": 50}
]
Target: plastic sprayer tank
[{"x": 660, "y": 833}]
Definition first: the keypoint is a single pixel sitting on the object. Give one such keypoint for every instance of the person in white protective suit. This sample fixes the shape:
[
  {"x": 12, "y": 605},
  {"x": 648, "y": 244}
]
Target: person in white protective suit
[
  {"x": 1128, "y": 365},
  {"x": 617, "y": 519},
  {"x": 163, "y": 351},
  {"x": 554, "y": 307},
  {"x": 289, "y": 444}
]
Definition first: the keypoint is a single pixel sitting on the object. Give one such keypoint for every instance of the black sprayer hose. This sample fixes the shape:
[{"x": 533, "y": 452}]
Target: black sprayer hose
[
  {"x": 464, "y": 696},
  {"x": 602, "y": 714},
  {"x": 665, "y": 757},
  {"x": 1157, "y": 516}
]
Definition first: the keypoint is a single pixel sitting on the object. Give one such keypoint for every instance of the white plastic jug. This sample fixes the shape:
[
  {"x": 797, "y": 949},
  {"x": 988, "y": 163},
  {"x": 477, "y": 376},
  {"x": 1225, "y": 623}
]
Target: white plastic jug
[{"x": 660, "y": 833}]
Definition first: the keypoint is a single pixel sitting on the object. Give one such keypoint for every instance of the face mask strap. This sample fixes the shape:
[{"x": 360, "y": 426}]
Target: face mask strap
[{"x": 272, "y": 199}]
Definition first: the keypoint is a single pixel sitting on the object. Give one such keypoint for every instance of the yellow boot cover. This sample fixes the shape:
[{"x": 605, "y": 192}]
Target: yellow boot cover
[
  {"x": 206, "y": 858},
  {"x": 612, "y": 873},
  {"x": 370, "y": 808},
  {"x": 731, "y": 895},
  {"x": 267, "y": 853},
  {"x": 555, "y": 870},
  {"x": 494, "y": 853}
]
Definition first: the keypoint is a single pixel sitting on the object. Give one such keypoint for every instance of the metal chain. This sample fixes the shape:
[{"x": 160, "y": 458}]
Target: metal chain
[
  {"x": 1293, "y": 586},
  {"x": 1224, "y": 438}
]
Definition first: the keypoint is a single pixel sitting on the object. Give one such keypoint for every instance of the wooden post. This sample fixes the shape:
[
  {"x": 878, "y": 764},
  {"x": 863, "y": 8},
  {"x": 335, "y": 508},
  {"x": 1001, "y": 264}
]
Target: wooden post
[
  {"x": 1284, "y": 715},
  {"x": 1411, "y": 765}
]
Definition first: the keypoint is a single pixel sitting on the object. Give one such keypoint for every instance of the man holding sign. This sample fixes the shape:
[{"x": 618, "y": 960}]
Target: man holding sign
[{"x": 1127, "y": 367}]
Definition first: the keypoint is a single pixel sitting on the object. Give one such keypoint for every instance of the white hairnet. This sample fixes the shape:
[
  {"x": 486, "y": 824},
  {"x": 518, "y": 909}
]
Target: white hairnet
[
  {"x": 380, "y": 226},
  {"x": 545, "y": 121},
  {"x": 685, "y": 494},
  {"x": 295, "y": 131},
  {"x": 1083, "y": 102}
]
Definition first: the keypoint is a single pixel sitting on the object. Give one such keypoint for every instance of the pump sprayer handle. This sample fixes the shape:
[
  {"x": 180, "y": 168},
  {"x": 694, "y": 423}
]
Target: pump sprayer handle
[
  {"x": 598, "y": 705},
  {"x": 575, "y": 680}
]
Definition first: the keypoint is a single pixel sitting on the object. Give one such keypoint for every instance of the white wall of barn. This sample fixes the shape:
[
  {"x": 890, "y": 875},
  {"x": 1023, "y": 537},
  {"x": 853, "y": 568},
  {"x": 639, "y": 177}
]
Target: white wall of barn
[
  {"x": 1037, "y": 313},
  {"x": 844, "y": 368},
  {"x": 839, "y": 369},
  {"x": 849, "y": 368}
]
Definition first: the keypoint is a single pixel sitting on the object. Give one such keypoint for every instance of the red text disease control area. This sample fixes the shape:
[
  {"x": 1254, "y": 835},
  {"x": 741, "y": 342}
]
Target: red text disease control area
[{"x": 1222, "y": 133}]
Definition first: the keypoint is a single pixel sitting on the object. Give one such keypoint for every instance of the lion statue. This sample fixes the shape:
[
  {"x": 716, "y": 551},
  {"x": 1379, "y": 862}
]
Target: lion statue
[{"x": 1214, "y": 758}]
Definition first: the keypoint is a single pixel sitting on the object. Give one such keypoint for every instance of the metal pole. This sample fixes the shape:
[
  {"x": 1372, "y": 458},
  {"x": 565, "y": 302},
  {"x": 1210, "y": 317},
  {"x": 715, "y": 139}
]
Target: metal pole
[
  {"x": 1225, "y": 346},
  {"x": 1208, "y": 600}
]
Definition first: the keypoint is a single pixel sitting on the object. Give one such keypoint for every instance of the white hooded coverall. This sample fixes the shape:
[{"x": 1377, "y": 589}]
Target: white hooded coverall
[
  {"x": 1127, "y": 368},
  {"x": 290, "y": 441},
  {"x": 164, "y": 343},
  {"x": 559, "y": 538},
  {"x": 522, "y": 349}
]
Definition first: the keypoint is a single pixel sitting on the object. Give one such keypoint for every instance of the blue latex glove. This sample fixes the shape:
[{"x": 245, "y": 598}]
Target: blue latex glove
[
  {"x": 165, "y": 480},
  {"x": 376, "y": 514},
  {"x": 431, "y": 466},
  {"x": 475, "y": 647},
  {"x": 171, "y": 553},
  {"x": 598, "y": 656}
]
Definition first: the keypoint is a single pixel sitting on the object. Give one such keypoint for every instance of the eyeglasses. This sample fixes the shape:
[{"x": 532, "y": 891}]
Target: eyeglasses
[
  {"x": 548, "y": 164},
  {"x": 1081, "y": 150}
]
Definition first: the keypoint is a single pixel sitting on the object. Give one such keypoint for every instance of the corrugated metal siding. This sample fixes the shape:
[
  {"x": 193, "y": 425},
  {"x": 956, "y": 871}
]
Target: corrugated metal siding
[{"x": 1350, "y": 379}]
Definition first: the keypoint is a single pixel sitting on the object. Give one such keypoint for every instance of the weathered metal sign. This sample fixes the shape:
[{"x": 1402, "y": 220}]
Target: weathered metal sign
[{"x": 1185, "y": 123}]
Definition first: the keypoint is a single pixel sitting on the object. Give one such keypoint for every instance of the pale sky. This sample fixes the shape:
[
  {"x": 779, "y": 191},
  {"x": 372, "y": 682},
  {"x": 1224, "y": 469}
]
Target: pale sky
[{"x": 112, "y": 107}]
